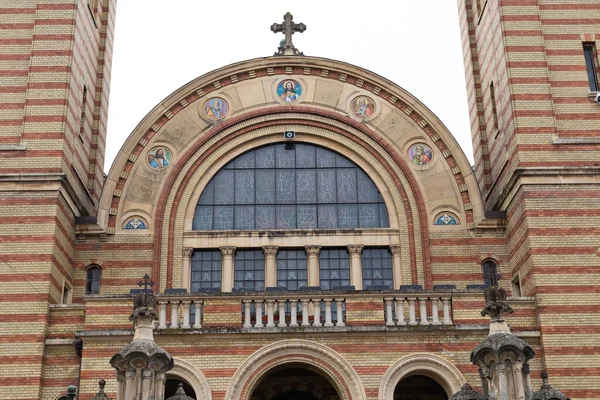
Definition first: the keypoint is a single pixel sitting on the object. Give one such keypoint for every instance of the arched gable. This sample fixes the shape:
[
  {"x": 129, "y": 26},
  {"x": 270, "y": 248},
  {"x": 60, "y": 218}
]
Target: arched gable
[{"x": 385, "y": 141}]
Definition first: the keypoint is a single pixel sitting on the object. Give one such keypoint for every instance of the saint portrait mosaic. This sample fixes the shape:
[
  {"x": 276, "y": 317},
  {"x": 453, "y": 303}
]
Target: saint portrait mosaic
[
  {"x": 159, "y": 157},
  {"x": 420, "y": 154},
  {"x": 215, "y": 108},
  {"x": 362, "y": 106},
  {"x": 289, "y": 90}
]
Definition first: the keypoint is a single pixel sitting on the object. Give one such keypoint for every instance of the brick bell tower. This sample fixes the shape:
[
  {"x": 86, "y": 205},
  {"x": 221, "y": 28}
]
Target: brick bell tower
[
  {"x": 532, "y": 80},
  {"x": 55, "y": 60}
]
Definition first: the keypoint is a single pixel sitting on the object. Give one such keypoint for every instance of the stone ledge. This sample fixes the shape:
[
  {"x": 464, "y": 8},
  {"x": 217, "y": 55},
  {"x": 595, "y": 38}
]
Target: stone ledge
[{"x": 12, "y": 147}]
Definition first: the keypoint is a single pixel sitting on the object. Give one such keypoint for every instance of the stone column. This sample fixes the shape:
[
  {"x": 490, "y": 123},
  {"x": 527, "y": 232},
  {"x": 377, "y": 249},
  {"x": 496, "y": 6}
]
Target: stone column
[
  {"x": 227, "y": 271},
  {"x": 270, "y": 265},
  {"x": 396, "y": 265},
  {"x": 186, "y": 268},
  {"x": 502, "y": 388},
  {"x": 527, "y": 381},
  {"x": 355, "y": 252},
  {"x": 518, "y": 379},
  {"x": 312, "y": 253}
]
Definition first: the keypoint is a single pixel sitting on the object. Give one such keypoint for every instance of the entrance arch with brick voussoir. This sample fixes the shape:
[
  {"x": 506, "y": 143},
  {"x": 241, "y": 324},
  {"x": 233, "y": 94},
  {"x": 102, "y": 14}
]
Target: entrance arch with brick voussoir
[
  {"x": 429, "y": 365},
  {"x": 301, "y": 353}
]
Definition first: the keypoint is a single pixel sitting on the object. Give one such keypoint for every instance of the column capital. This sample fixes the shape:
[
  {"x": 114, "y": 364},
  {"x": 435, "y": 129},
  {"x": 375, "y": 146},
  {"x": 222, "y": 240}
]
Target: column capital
[
  {"x": 187, "y": 251},
  {"x": 395, "y": 249},
  {"x": 312, "y": 250},
  {"x": 355, "y": 249},
  {"x": 270, "y": 250},
  {"x": 247, "y": 301},
  {"x": 227, "y": 251}
]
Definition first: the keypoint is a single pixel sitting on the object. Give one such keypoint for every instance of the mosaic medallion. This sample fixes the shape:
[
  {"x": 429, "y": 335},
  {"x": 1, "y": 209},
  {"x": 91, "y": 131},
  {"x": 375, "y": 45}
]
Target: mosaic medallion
[
  {"x": 420, "y": 154},
  {"x": 135, "y": 223},
  {"x": 159, "y": 157},
  {"x": 362, "y": 106},
  {"x": 446, "y": 218},
  {"x": 215, "y": 108},
  {"x": 289, "y": 90}
]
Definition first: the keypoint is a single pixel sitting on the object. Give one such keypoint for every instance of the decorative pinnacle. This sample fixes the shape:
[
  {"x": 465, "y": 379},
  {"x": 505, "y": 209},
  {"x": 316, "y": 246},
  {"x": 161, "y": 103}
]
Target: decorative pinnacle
[
  {"x": 288, "y": 27},
  {"x": 495, "y": 303}
]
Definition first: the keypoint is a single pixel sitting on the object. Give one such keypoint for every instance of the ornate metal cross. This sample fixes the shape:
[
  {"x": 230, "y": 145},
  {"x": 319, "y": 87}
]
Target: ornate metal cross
[
  {"x": 288, "y": 27},
  {"x": 145, "y": 282}
]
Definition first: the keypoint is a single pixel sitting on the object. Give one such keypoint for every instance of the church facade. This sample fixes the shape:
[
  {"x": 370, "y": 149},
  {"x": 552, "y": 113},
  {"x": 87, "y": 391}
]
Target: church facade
[{"x": 311, "y": 229}]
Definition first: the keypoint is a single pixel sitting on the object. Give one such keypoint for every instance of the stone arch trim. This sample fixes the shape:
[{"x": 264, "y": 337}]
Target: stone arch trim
[
  {"x": 315, "y": 356},
  {"x": 196, "y": 379},
  {"x": 218, "y": 137},
  {"x": 432, "y": 366}
]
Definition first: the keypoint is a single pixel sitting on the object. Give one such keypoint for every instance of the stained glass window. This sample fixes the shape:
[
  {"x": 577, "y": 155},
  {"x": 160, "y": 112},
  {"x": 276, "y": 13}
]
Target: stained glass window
[
  {"x": 377, "y": 268},
  {"x": 249, "y": 270},
  {"x": 334, "y": 268},
  {"x": 290, "y": 187},
  {"x": 292, "y": 272},
  {"x": 206, "y": 270}
]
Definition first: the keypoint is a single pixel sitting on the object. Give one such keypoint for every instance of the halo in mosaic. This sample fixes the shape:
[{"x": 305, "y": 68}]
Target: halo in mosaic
[
  {"x": 215, "y": 108},
  {"x": 159, "y": 157},
  {"x": 446, "y": 218},
  {"x": 289, "y": 90},
  {"x": 135, "y": 222},
  {"x": 362, "y": 106},
  {"x": 420, "y": 154}
]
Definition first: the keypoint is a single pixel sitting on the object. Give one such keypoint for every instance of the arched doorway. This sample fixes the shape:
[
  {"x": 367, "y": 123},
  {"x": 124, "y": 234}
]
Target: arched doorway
[
  {"x": 419, "y": 387},
  {"x": 294, "y": 382},
  {"x": 173, "y": 383}
]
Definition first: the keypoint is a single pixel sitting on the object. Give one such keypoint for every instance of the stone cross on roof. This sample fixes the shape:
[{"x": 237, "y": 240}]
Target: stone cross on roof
[
  {"x": 145, "y": 282},
  {"x": 288, "y": 27}
]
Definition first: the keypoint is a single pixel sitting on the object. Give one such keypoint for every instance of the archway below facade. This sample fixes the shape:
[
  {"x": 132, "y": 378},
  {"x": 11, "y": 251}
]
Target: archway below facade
[
  {"x": 419, "y": 387},
  {"x": 294, "y": 382}
]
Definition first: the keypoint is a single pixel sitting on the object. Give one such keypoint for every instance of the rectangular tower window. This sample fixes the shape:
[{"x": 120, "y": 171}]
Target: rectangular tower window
[
  {"x": 494, "y": 109},
  {"x": 516, "y": 287},
  {"x": 292, "y": 272},
  {"x": 83, "y": 111},
  {"x": 206, "y": 270},
  {"x": 334, "y": 268},
  {"x": 377, "y": 269},
  {"x": 590, "y": 54},
  {"x": 249, "y": 274}
]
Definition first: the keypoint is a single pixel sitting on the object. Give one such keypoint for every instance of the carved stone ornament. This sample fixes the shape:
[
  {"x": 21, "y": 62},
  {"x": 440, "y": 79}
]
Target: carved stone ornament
[
  {"x": 101, "y": 395},
  {"x": 495, "y": 303},
  {"x": 180, "y": 394},
  {"x": 467, "y": 393},
  {"x": 546, "y": 392},
  {"x": 288, "y": 28},
  {"x": 499, "y": 343}
]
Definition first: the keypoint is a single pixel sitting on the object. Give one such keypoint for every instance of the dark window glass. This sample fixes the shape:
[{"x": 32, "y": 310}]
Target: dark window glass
[
  {"x": 294, "y": 187},
  {"x": 334, "y": 268},
  {"x": 589, "y": 51},
  {"x": 490, "y": 273},
  {"x": 206, "y": 270},
  {"x": 92, "y": 282},
  {"x": 292, "y": 273},
  {"x": 377, "y": 268},
  {"x": 249, "y": 274},
  {"x": 494, "y": 108}
]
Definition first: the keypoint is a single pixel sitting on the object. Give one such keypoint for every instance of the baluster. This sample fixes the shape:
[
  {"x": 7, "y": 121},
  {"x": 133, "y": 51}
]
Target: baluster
[
  {"x": 423, "y": 311},
  {"x": 270, "y": 320},
  {"x": 174, "y": 315},
  {"x": 305, "y": 312},
  {"x": 198, "y": 314},
  {"x": 411, "y": 312},
  {"x": 447, "y": 319},
  {"x": 400, "y": 318},
  {"x": 293, "y": 313},
  {"x": 186, "y": 314},
  {"x": 247, "y": 304},
  {"x": 258, "y": 304},
  {"x": 282, "y": 323},
  {"x": 163, "y": 315},
  {"x": 435, "y": 318},
  {"x": 340, "y": 312},
  {"x": 328, "y": 312},
  {"x": 389, "y": 319},
  {"x": 317, "y": 316}
]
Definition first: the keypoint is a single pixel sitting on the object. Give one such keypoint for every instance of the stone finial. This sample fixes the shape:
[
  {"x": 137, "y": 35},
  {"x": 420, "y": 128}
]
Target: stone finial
[
  {"x": 467, "y": 393},
  {"x": 288, "y": 27},
  {"x": 71, "y": 392},
  {"x": 180, "y": 394},
  {"x": 101, "y": 395},
  {"x": 546, "y": 392},
  {"x": 495, "y": 303}
]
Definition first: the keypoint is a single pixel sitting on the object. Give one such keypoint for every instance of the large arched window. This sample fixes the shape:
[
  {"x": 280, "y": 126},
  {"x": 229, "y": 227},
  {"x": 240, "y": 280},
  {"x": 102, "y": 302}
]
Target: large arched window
[
  {"x": 290, "y": 186},
  {"x": 92, "y": 281}
]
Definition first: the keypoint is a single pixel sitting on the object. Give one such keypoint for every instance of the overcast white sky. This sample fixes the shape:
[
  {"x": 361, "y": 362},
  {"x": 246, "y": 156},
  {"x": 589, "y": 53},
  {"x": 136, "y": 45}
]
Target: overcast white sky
[{"x": 160, "y": 46}]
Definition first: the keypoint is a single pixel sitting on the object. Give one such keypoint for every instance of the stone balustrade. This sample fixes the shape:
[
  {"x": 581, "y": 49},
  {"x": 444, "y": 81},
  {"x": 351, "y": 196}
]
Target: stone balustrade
[
  {"x": 255, "y": 311},
  {"x": 428, "y": 307}
]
